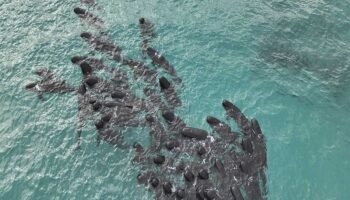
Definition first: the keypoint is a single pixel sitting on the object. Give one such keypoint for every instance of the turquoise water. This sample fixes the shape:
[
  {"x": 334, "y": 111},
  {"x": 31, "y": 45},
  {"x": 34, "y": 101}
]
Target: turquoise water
[{"x": 285, "y": 63}]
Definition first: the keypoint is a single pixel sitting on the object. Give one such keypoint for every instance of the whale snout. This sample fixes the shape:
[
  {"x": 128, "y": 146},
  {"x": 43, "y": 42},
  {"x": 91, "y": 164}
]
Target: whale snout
[
  {"x": 30, "y": 85},
  {"x": 169, "y": 115},
  {"x": 227, "y": 105},
  {"x": 213, "y": 121},
  {"x": 142, "y": 20},
  {"x": 77, "y": 59},
  {"x": 86, "y": 35},
  {"x": 79, "y": 11},
  {"x": 164, "y": 83}
]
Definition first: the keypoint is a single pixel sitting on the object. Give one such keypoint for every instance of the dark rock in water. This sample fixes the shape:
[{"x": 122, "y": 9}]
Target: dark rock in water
[
  {"x": 159, "y": 159},
  {"x": 180, "y": 193},
  {"x": 167, "y": 187},
  {"x": 196, "y": 133},
  {"x": 189, "y": 176},
  {"x": 164, "y": 83},
  {"x": 201, "y": 150},
  {"x": 154, "y": 182},
  {"x": 203, "y": 174}
]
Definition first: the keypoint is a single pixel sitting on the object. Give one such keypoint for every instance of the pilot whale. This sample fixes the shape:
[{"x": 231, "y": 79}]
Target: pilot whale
[
  {"x": 146, "y": 30},
  {"x": 159, "y": 60},
  {"x": 48, "y": 84},
  {"x": 89, "y": 17},
  {"x": 103, "y": 44}
]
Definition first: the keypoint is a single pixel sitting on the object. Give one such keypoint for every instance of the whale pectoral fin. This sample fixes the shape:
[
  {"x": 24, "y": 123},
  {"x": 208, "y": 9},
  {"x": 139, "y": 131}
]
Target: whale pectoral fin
[
  {"x": 98, "y": 140},
  {"x": 103, "y": 33},
  {"x": 78, "y": 140},
  {"x": 95, "y": 6},
  {"x": 77, "y": 147},
  {"x": 70, "y": 89},
  {"x": 119, "y": 142},
  {"x": 122, "y": 145},
  {"x": 91, "y": 50},
  {"x": 177, "y": 80},
  {"x": 143, "y": 53},
  {"x": 222, "y": 129},
  {"x": 237, "y": 115},
  {"x": 40, "y": 96}
]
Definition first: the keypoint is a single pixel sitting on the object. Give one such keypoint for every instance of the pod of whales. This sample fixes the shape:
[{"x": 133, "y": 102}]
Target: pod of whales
[{"x": 196, "y": 164}]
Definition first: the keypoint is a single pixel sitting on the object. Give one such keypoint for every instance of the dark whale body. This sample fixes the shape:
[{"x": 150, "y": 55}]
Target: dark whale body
[
  {"x": 103, "y": 44},
  {"x": 48, "y": 84},
  {"x": 196, "y": 133},
  {"x": 146, "y": 30},
  {"x": 169, "y": 92},
  {"x": 89, "y": 17},
  {"x": 159, "y": 60}
]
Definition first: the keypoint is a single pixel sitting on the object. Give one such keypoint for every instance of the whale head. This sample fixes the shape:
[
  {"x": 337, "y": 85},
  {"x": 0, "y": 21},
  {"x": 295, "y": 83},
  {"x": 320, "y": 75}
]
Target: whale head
[
  {"x": 142, "y": 20},
  {"x": 79, "y": 11},
  {"x": 86, "y": 35},
  {"x": 164, "y": 83},
  {"x": 77, "y": 59}
]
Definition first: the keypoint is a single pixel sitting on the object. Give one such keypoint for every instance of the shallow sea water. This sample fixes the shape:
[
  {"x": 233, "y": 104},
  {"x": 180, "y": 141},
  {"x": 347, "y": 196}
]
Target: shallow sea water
[{"x": 285, "y": 63}]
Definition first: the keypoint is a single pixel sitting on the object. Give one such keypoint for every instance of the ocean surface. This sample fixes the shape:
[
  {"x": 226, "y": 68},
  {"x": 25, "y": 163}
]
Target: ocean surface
[{"x": 286, "y": 63}]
